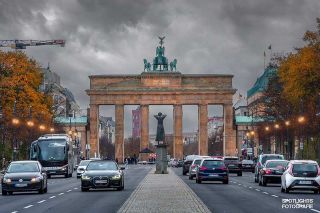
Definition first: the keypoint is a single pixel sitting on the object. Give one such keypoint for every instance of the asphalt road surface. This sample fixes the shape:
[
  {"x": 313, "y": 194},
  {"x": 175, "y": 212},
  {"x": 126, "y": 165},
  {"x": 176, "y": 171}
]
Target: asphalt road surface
[
  {"x": 64, "y": 195},
  {"x": 243, "y": 195}
]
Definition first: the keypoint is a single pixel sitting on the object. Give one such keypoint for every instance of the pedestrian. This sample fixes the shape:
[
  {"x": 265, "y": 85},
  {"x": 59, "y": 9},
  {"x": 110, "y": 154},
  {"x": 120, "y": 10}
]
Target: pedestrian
[{"x": 126, "y": 163}]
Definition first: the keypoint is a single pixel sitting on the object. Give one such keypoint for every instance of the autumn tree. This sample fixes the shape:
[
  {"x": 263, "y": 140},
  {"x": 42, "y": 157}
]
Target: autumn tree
[{"x": 20, "y": 79}]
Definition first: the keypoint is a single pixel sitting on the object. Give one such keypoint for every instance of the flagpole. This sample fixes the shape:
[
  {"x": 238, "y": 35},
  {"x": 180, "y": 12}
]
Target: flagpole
[{"x": 264, "y": 60}]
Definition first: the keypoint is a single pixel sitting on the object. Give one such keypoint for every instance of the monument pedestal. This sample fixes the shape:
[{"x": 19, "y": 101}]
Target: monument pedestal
[{"x": 161, "y": 160}]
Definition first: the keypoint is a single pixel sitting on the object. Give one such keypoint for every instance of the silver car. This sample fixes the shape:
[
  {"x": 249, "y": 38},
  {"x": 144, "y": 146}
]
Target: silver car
[
  {"x": 82, "y": 166},
  {"x": 193, "y": 168},
  {"x": 301, "y": 175}
]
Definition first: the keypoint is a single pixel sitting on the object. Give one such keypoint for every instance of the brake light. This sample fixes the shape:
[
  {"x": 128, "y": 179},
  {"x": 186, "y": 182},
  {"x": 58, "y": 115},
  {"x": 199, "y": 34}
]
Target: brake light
[
  {"x": 193, "y": 166},
  {"x": 268, "y": 171},
  {"x": 202, "y": 168},
  {"x": 223, "y": 168},
  {"x": 318, "y": 171},
  {"x": 290, "y": 171},
  {"x": 258, "y": 164}
]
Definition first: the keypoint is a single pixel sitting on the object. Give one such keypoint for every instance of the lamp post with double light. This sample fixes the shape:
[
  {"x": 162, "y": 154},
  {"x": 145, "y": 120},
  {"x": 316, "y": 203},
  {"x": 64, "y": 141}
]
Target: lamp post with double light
[
  {"x": 287, "y": 143},
  {"x": 276, "y": 127},
  {"x": 301, "y": 121}
]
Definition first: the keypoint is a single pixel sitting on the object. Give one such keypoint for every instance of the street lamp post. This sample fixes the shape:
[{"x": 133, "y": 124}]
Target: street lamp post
[
  {"x": 301, "y": 120},
  {"x": 287, "y": 144},
  {"x": 276, "y": 127},
  {"x": 15, "y": 122}
]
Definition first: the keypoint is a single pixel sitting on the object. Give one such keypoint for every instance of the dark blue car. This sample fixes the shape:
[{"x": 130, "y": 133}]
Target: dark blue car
[{"x": 212, "y": 170}]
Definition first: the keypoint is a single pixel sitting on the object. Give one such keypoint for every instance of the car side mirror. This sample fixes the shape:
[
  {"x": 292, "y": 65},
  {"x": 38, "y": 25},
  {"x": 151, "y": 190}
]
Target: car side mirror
[{"x": 122, "y": 168}]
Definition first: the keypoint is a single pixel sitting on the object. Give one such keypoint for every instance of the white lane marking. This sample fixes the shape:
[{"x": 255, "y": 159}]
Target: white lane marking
[
  {"x": 315, "y": 210},
  {"x": 61, "y": 193},
  {"x": 235, "y": 182},
  {"x": 75, "y": 188},
  {"x": 239, "y": 184},
  {"x": 265, "y": 193},
  {"x": 14, "y": 212},
  {"x": 250, "y": 187},
  {"x": 52, "y": 197},
  {"x": 41, "y": 201},
  {"x": 274, "y": 196},
  {"x": 258, "y": 190},
  {"x": 26, "y": 207},
  {"x": 69, "y": 190}
]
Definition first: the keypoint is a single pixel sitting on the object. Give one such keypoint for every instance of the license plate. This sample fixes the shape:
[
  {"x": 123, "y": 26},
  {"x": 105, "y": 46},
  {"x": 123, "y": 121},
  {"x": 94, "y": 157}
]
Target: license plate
[
  {"x": 247, "y": 166},
  {"x": 231, "y": 165},
  {"x": 305, "y": 182},
  {"x": 52, "y": 172},
  {"x": 213, "y": 175},
  {"x": 21, "y": 185},
  {"x": 101, "y": 181}
]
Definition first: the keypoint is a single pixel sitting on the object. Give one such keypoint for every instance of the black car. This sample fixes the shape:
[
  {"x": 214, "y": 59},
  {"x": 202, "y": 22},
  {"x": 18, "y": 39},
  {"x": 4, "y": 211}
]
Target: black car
[
  {"x": 24, "y": 176},
  {"x": 233, "y": 164},
  {"x": 187, "y": 162},
  {"x": 271, "y": 171},
  {"x": 102, "y": 174},
  {"x": 262, "y": 160},
  {"x": 248, "y": 165}
]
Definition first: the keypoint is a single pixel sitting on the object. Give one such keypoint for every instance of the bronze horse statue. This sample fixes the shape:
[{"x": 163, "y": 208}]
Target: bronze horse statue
[
  {"x": 173, "y": 65},
  {"x": 147, "y": 65}
]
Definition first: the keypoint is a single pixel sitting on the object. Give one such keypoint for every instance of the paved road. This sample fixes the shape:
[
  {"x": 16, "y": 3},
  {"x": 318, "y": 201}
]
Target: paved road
[
  {"x": 64, "y": 195},
  {"x": 243, "y": 195}
]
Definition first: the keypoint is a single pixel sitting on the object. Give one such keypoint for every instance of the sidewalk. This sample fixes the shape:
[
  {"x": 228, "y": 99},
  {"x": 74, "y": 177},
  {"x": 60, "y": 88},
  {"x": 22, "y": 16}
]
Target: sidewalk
[{"x": 163, "y": 193}]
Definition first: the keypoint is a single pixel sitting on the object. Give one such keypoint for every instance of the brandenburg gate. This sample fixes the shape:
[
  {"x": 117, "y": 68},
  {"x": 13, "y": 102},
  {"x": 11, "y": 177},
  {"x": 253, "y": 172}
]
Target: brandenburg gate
[{"x": 162, "y": 85}]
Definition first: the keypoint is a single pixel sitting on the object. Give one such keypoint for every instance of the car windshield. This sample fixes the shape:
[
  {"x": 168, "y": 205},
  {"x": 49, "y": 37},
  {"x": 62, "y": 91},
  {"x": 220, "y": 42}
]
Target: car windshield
[
  {"x": 212, "y": 163},
  {"x": 277, "y": 164},
  {"x": 23, "y": 167},
  {"x": 230, "y": 159},
  {"x": 197, "y": 162},
  {"x": 271, "y": 157},
  {"x": 52, "y": 150},
  {"x": 247, "y": 161},
  {"x": 102, "y": 165},
  {"x": 305, "y": 167},
  {"x": 84, "y": 163}
]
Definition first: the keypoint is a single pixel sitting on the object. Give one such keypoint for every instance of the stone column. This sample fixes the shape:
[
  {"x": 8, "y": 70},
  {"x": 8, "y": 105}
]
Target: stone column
[
  {"x": 203, "y": 129},
  {"x": 178, "y": 140},
  {"x": 229, "y": 142},
  {"x": 119, "y": 134},
  {"x": 144, "y": 138},
  {"x": 83, "y": 138},
  {"x": 94, "y": 122}
]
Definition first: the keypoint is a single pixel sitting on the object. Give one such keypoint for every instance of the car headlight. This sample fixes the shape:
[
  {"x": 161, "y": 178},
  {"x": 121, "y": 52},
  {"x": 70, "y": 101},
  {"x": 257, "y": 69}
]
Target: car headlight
[
  {"x": 7, "y": 180},
  {"x": 85, "y": 177},
  {"x": 116, "y": 177},
  {"x": 36, "y": 179}
]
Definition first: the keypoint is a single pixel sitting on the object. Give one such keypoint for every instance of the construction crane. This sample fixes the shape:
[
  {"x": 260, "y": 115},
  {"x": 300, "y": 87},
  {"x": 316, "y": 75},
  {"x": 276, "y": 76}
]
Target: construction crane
[{"x": 22, "y": 44}]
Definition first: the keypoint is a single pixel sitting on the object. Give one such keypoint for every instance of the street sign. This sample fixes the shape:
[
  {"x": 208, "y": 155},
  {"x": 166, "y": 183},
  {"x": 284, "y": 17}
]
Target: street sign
[
  {"x": 249, "y": 151},
  {"x": 286, "y": 143},
  {"x": 301, "y": 145}
]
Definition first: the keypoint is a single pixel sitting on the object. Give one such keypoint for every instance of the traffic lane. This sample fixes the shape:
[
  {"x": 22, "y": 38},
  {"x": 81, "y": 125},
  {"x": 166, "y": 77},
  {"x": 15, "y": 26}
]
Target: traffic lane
[
  {"x": 18, "y": 200},
  {"x": 232, "y": 198},
  {"x": 106, "y": 200},
  {"x": 247, "y": 180}
]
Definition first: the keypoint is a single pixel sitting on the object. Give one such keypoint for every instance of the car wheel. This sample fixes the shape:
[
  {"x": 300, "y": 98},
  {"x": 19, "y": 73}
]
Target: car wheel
[
  {"x": 41, "y": 191},
  {"x": 252, "y": 171},
  {"x": 84, "y": 189},
  {"x": 264, "y": 181},
  {"x": 259, "y": 180},
  {"x": 4, "y": 192},
  {"x": 226, "y": 181},
  {"x": 316, "y": 191},
  {"x": 240, "y": 174},
  {"x": 282, "y": 190},
  {"x": 256, "y": 179},
  {"x": 10, "y": 193},
  {"x": 122, "y": 186},
  {"x": 70, "y": 175},
  {"x": 190, "y": 177},
  {"x": 66, "y": 175},
  {"x": 49, "y": 176}
]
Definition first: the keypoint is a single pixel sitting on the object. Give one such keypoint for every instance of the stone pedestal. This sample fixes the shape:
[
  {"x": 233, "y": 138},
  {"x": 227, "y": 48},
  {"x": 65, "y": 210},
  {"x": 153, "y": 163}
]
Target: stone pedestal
[{"x": 161, "y": 161}]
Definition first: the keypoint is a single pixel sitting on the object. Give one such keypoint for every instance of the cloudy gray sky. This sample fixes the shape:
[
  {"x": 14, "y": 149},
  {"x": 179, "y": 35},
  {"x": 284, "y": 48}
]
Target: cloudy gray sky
[{"x": 113, "y": 36}]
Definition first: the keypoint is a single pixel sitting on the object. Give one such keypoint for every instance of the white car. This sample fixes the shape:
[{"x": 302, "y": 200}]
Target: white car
[
  {"x": 82, "y": 166},
  {"x": 301, "y": 175}
]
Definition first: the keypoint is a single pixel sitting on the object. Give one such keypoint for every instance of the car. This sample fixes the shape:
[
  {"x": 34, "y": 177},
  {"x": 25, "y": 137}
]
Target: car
[
  {"x": 271, "y": 171},
  {"x": 180, "y": 163},
  {"x": 144, "y": 162},
  {"x": 248, "y": 165},
  {"x": 102, "y": 174},
  {"x": 193, "y": 168},
  {"x": 233, "y": 164},
  {"x": 187, "y": 162},
  {"x": 82, "y": 166},
  {"x": 173, "y": 162},
  {"x": 212, "y": 170},
  {"x": 262, "y": 160},
  {"x": 24, "y": 176},
  {"x": 301, "y": 175}
]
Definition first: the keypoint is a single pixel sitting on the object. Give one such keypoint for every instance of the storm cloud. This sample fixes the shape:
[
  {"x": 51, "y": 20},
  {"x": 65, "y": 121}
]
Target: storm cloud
[{"x": 112, "y": 37}]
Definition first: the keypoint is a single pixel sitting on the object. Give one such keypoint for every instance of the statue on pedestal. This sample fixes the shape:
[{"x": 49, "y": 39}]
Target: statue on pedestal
[{"x": 160, "y": 129}]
